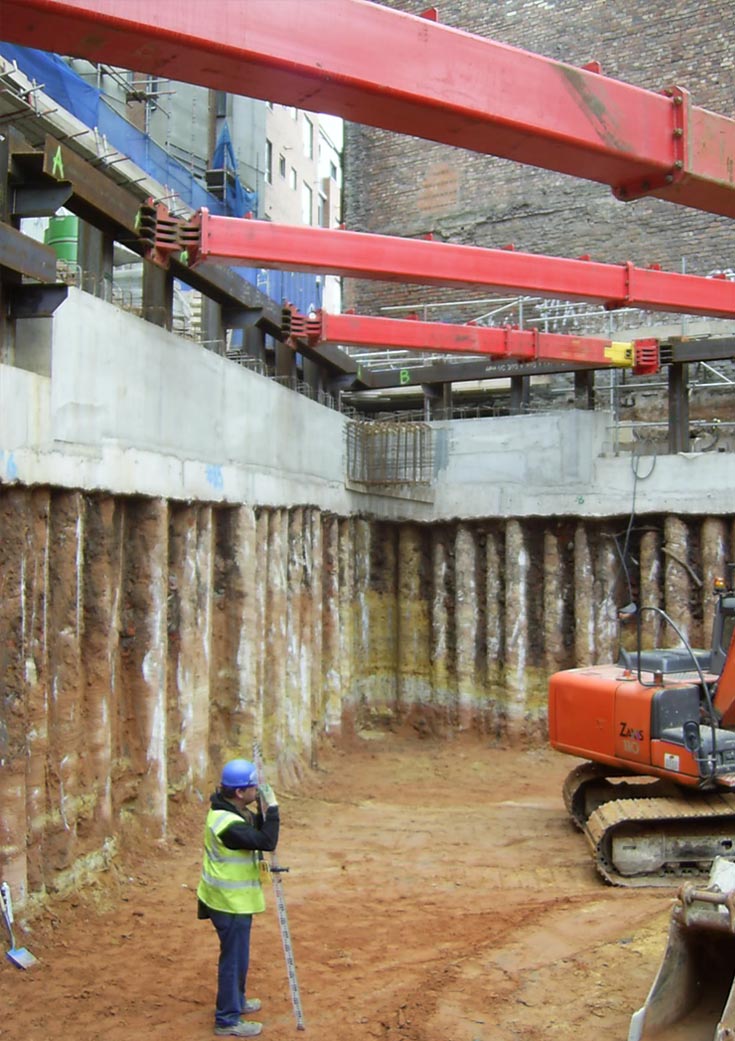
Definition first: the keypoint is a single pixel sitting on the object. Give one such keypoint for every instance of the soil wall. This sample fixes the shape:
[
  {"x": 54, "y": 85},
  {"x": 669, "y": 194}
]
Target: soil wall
[{"x": 144, "y": 641}]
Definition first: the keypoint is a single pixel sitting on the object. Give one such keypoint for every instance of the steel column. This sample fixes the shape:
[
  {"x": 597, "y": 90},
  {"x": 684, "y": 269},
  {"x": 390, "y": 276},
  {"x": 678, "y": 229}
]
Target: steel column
[
  {"x": 213, "y": 331},
  {"x": 95, "y": 258},
  {"x": 520, "y": 394},
  {"x": 373, "y": 65},
  {"x": 313, "y": 376},
  {"x": 584, "y": 390},
  {"x": 285, "y": 362},
  {"x": 679, "y": 408},
  {"x": 361, "y": 255},
  {"x": 254, "y": 343},
  {"x": 438, "y": 400},
  {"x": 158, "y": 295}
]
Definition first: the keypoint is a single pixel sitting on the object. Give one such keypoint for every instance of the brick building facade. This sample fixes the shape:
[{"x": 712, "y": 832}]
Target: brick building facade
[{"x": 404, "y": 186}]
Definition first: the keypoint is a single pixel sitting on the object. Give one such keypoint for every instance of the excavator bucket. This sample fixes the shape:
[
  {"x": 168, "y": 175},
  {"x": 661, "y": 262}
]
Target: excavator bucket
[{"x": 692, "y": 997}]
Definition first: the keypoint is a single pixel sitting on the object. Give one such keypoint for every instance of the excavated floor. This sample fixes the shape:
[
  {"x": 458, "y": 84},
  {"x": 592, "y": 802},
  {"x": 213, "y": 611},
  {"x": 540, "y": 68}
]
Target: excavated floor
[{"x": 437, "y": 892}]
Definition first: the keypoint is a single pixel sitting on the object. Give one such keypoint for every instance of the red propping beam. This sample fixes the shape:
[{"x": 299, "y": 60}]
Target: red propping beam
[
  {"x": 361, "y": 255},
  {"x": 445, "y": 338},
  {"x": 373, "y": 65}
]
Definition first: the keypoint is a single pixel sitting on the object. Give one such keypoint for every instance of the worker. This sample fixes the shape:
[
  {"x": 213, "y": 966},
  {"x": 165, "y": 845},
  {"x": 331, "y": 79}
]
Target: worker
[{"x": 230, "y": 891}]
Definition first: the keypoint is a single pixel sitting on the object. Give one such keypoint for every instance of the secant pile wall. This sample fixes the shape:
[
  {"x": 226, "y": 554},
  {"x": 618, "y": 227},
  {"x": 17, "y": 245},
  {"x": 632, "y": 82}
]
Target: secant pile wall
[
  {"x": 183, "y": 570},
  {"x": 146, "y": 640}
]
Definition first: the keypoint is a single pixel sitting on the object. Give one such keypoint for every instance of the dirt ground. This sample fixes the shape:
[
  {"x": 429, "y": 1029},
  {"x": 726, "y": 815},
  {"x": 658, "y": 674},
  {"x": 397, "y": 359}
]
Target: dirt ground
[{"x": 436, "y": 892}]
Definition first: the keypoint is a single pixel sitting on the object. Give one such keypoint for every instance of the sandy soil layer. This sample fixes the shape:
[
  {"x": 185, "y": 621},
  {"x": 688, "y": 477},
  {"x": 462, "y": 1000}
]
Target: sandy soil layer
[{"x": 436, "y": 892}]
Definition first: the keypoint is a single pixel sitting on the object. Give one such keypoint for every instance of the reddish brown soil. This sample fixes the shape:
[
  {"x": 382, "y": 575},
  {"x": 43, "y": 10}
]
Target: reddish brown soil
[{"x": 437, "y": 893}]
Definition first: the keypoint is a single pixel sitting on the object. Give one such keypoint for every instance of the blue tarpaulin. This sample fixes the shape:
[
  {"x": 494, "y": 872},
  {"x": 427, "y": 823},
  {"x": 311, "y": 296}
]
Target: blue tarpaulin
[
  {"x": 237, "y": 200},
  {"x": 89, "y": 106},
  {"x": 85, "y": 102}
]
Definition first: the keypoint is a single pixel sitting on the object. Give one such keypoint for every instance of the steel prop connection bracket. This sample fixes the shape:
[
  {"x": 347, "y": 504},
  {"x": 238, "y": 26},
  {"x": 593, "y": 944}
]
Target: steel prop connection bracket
[
  {"x": 680, "y": 120},
  {"x": 164, "y": 236},
  {"x": 293, "y": 326},
  {"x": 647, "y": 357},
  {"x": 298, "y": 329}
]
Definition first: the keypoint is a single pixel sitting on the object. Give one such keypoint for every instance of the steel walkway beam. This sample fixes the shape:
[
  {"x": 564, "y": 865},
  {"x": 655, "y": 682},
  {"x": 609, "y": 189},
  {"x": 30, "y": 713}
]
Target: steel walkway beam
[{"x": 411, "y": 75}]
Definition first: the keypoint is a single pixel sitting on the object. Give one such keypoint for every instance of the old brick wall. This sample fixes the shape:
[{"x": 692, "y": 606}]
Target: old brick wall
[{"x": 403, "y": 186}]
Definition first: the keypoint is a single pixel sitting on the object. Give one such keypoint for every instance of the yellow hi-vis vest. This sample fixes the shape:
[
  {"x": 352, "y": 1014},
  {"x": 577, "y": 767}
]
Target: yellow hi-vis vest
[{"x": 230, "y": 877}]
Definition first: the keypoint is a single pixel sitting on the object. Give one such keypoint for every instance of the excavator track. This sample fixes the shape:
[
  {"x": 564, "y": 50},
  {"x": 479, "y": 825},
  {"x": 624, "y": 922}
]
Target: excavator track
[
  {"x": 591, "y": 785},
  {"x": 661, "y": 841}
]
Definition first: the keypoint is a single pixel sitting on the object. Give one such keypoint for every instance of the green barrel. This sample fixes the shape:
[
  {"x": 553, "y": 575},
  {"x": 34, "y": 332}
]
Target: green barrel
[{"x": 62, "y": 235}]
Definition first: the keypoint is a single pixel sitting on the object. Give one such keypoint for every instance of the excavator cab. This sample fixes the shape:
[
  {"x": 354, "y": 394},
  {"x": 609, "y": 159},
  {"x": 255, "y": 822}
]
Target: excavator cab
[
  {"x": 664, "y": 661},
  {"x": 689, "y": 707},
  {"x": 722, "y": 630}
]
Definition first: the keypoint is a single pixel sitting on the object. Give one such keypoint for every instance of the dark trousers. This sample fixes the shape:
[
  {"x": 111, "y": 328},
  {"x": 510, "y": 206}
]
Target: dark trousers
[{"x": 234, "y": 955}]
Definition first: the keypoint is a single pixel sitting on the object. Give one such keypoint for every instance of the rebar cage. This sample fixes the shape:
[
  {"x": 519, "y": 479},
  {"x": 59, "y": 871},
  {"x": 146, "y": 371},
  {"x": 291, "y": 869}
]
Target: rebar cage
[{"x": 393, "y": 453}]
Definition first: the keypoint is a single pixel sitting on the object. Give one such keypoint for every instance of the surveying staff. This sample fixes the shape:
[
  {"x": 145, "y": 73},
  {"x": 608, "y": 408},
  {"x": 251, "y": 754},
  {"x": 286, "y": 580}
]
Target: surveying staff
[{"x": 229, "y": 891}]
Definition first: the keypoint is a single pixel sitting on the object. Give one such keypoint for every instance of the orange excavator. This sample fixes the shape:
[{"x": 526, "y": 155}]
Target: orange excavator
[{"x": 656, "y": 794}]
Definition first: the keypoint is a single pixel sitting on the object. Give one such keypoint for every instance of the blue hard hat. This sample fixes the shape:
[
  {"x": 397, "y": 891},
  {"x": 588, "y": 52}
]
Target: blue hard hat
[{"x": 239, "y": 773}]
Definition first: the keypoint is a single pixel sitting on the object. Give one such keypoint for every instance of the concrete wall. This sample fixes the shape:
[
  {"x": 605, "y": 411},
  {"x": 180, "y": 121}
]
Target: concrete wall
[
  {"x": 561, "y": 464},
  {"x": 134, "y": 410},
  {"x": 25, "y": 413}
]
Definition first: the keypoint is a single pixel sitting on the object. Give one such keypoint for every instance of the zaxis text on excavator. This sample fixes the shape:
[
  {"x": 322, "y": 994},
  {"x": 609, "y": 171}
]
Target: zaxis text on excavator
[{"x": 656, "y": 796}]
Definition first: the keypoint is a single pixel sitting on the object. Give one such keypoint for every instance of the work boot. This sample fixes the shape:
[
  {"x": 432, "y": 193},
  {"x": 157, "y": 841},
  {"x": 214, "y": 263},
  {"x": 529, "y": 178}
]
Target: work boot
[
  {"x": 251, "y": 1005},
  {"x": 240, "y": 1029}
]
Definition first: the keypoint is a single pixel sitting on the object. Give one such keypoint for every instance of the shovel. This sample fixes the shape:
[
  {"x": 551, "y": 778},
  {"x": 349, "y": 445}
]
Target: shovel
[{"x": 19, "y": 956}]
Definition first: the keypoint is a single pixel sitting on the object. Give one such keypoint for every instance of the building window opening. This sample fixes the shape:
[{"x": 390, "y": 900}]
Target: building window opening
[
  {"x": 308, "y": 138},
  {"x": 306, "y": 204},
  {"x": 269, "y": 161}
]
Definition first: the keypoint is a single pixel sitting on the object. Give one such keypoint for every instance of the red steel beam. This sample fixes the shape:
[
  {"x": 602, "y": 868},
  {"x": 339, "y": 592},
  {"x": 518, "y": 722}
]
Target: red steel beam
[
  {"x": 360, "y": 255},
  {"x": 373, "y": 65},
  {"x": 523, "y": 344}
]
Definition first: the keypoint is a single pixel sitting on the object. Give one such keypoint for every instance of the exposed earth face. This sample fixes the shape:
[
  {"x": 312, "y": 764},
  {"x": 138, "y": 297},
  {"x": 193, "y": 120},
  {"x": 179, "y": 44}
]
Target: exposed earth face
[{"x": 437, "y": 892}]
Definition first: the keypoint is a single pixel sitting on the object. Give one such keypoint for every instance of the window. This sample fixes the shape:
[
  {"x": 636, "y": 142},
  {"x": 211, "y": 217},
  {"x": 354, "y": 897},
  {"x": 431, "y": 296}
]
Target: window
[
  {"x": 294, "y": 178},
  {"x": 220, "y": 104},
  {"x": 322, "y": 215},
  {"x": 282, "y": 166},
  {"x": 308, "y": 138},
  {"x": 333, "y": 171},
  {"x": 306, "y": 203},
  {"x": 268, "y": 161}
]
